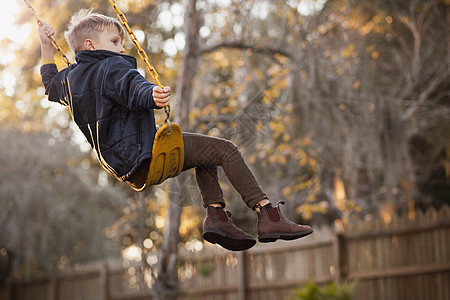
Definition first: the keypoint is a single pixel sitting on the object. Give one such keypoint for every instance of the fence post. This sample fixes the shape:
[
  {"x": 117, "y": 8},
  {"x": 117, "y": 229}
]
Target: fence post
[
  {"x": 104, "y": 282},
  {"x": 53, "y": 287},
  {"x": 242, "y": 278},
  {"x": 340, "y": 257},
  {"x": 9, "y": 290}
]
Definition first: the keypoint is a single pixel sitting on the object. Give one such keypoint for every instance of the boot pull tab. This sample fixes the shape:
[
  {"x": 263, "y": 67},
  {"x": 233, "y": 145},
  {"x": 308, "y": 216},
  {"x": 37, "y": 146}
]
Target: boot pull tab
[
  {"x": 281, "y": 202},
  {"x": 258, "y": 206}
]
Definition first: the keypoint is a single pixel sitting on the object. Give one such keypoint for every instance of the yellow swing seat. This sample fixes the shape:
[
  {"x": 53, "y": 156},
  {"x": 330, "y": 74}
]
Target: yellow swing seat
[{"x": 167, "y": 156}]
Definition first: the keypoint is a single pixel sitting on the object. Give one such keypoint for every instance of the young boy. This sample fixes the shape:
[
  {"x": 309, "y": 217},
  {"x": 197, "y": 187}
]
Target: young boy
[{"x": 113, "y": 104}]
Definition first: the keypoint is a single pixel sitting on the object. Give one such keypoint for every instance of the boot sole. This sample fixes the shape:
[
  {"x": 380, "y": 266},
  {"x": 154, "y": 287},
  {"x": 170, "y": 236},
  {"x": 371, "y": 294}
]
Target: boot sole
[
  {"x": 215, "y": 236},
  {"x": 272, "y": 237}
]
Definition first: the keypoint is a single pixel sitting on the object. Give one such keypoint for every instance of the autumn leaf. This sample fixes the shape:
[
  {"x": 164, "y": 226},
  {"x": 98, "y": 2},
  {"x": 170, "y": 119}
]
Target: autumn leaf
[{"x": 348, "y": 51}]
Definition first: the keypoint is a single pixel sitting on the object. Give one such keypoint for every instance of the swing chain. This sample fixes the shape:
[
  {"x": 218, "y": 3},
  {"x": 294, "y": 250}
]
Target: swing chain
[
  {"x": 51, "y": 38},
  {"x": 141, "y": 52}
]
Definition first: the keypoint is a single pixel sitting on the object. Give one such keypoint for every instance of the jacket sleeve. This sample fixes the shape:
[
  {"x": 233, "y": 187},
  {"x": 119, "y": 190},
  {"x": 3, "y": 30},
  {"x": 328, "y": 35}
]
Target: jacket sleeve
[
  {"x": 125, "y": 85},
  {"x": 54, "y": 83}
]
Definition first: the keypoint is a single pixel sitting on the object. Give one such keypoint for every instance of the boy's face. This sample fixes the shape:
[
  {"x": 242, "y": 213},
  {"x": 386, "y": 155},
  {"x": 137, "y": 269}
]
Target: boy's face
[{"x": 110, "y": 40}]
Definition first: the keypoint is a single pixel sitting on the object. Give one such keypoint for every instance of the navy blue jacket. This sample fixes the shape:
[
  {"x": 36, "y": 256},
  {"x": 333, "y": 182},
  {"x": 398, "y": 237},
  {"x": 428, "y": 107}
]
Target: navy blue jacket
[{"x": 111, "y": 103}]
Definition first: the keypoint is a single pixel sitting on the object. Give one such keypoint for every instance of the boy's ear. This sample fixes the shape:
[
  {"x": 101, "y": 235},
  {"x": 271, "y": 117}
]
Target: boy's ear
[{"x": 89, "y": 44}]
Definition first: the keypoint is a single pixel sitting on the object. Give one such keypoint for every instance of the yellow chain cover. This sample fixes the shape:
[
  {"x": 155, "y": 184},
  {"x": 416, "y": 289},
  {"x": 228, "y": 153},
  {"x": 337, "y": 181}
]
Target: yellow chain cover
[{"x": 167, "y": 156}]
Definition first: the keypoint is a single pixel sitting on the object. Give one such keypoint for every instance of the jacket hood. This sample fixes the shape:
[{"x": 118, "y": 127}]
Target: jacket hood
[{"x": 87, "y": 56}]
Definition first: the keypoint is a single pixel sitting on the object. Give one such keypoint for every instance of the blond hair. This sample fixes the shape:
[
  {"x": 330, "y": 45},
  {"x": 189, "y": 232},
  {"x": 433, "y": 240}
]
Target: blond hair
[{"x": 85, "y": 24}]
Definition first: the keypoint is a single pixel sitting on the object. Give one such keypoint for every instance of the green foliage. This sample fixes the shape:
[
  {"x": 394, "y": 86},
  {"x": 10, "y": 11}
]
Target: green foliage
[
  {"x": 205, "y": 270},
  {"x": 331, "y": 291}
]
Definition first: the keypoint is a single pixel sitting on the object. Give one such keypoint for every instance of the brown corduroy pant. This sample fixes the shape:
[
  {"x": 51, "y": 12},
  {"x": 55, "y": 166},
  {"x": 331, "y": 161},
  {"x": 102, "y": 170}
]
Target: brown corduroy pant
[{"x": 206, "y": 154}]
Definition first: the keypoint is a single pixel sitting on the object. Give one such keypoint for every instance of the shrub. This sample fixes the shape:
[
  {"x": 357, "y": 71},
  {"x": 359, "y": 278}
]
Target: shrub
[{"x": 331, "y": 291}]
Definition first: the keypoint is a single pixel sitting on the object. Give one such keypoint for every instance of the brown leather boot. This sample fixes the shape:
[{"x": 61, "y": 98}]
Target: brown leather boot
[
  {"x": 218, "y": 229},
  {"x": 272, "y": 225}
]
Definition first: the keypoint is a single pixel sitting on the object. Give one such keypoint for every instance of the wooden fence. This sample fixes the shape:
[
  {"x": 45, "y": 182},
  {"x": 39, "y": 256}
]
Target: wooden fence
[{"x": 405, "y": 259}]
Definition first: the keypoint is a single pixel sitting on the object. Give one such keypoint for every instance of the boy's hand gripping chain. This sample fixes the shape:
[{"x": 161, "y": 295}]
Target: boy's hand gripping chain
[
  {"x": 51, "y": 38},
  {"x": 142, "y": 54}
]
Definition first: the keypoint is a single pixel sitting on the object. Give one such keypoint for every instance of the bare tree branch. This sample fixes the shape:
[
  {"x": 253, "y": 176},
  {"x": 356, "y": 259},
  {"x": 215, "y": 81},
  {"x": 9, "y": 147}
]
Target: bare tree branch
[
  {"x": 439, "y": 77},
  {"x": 243, "y": 46}
]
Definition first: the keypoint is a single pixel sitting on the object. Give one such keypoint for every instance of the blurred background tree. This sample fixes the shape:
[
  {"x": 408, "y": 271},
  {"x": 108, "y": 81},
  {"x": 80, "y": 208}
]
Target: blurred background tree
[
  {"x": 340, "y": 107},
  {"x": 52, "y": 214}
]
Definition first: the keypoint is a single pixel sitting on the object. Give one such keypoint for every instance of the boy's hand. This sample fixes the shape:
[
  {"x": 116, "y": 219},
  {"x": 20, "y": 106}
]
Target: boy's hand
[
  {"x": 161, "y": 96},
  {"x": 46, "y": 31}
]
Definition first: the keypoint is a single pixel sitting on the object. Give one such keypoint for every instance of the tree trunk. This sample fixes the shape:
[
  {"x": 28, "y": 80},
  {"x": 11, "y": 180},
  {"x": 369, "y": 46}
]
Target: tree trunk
[
  {"x": 166, "y": 285},
  {"x": 398, "y": 174},
  {"x": 167, "y": 282}
]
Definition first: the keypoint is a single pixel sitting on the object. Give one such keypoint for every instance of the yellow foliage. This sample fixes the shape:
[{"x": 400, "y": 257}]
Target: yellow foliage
[
  {"x": 367, "y": 28},
  {"x": 375, "y": 54},
  {"x": 313, "y": 163},
  {"x": 303, "y": 157},
  {"x": 308, "y": 209},
  {"x": 302, "y": 185},
  {"x": 259, "y": 74},
  {"x": 283, "y": 147},
  {"x": 240, "y": 88},
  {"x": 292, "y": 17},
  {"x": 209, "y": 109},
  {"x": 306, "y": 141},
  {"x": 273, "y": 70},
  {"x": 281, "y": 159},
  {"x": 194, "y": 113},
  {"x": 377, "y": 18},
  {"x": 189, "y": 220},
  {"x": 281, "y": 58},
  {"x": 339, "y": 193},
  {"x": 352, "y": 206},
  {"x": 311, "y": 197},
  {"x": 348, "y": 51},
  {"x": 259, "y": 126},
  {"x": 379, "y": 29},
  {"x": 267, "y": 100},
  {"x": 322, "y": 28},
  {"x": 286, "y": 191},
  {"x": 277, "y": 127},
  {"x": 220, "y": 60},
  {"x": 272, "y": 158},
  {"x": 272, "y": 93},
  {"x": 370, "y": 48},
  {"x": 282, "y": 84}
]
